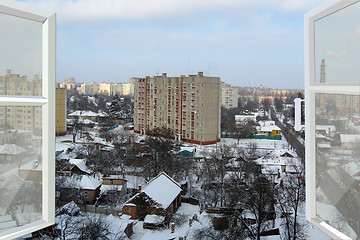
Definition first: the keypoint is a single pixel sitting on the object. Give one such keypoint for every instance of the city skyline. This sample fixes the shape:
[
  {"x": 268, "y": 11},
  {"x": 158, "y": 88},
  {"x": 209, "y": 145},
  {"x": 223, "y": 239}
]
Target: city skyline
[{"x": 245, "y": 43}]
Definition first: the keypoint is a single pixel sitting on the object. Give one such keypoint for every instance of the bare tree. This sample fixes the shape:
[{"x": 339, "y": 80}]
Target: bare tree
[
  {"x": 253, "y": 192},
  {"x": 160, "y": 157},
  {"x": 252, "y": 151},
  {"x": 290, "y": 195},
  {"x": 215, "y": 171},
  {"x": 94, "y": 229}
]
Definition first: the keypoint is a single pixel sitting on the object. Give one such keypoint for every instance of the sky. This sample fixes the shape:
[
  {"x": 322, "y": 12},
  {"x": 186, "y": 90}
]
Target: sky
[
  {"x": 337, "y": 41},
  {"x": 244, "y": 42}
]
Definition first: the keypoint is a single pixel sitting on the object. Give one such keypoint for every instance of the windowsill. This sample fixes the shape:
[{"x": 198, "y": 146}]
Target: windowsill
[{"x": 26, "y": 229}]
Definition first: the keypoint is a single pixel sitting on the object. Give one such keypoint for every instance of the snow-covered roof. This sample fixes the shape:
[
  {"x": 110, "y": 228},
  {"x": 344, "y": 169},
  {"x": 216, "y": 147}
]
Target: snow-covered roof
[
  {"x": 280, "y": 152},
  {"x": 11, "y": 149},
  {"x": 105, "y": 188},
  {"x": 83, "y": 181},
  {"x": 113, "y": 177},
  {"x": 324, "y": 145},
  {"x": 268, "y": 128},
  {"x": 154, "y": 219},
  {"x": 245, "y": 117},
  {"x": 118, "y": 225},
  {"x": 352, "y": 168},
  {"x": 80, "y": 163},
  {"x": 134, "y": 181},
  {"x": 32, "y": 165},
  {"x": 189, "y": 149},
  {"x": 162, "y": 189},
  {"x": 83, "y": 121},
  {"x": 102, "y": 114},
  {"x": 70, "y": 209},
  {"x": 349, "y": 138},
  {"x": 84, "y": 114}
]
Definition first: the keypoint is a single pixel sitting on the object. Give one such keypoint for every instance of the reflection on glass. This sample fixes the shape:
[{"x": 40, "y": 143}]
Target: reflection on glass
[
  {"x": 20, "y": 166},
  {"x": 338, "y": 161},
  {"x": 337, "y": 47},
  {"x": 21, "y": 56}
]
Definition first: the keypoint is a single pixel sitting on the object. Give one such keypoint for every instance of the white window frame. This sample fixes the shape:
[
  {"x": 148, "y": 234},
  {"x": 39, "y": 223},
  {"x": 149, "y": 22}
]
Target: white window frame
[
  {"x": 311, "y": 88},
  {"x": 47, "y": 102}
]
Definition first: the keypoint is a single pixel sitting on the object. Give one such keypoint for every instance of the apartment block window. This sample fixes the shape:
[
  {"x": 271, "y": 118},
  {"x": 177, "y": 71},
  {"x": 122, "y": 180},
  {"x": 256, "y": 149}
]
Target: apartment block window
[
  {"x": 332, "y": 90},
  {"x": 27, "y": 46}
]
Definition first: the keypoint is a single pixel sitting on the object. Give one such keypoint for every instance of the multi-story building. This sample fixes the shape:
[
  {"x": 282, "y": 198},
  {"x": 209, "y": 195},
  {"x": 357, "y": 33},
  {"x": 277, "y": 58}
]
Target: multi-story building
[
  {"x": 229, "y": 96},
  {"x": 110, "y": 89},
  {"x": 187, "y": 106},
  {"x": 88, "y": 88},
  {"x": 69, "y": 83},
  {"x": 25, "y": 118},
  {"x": 60, "y": 126},
  {"x": 20, "y": 118}
]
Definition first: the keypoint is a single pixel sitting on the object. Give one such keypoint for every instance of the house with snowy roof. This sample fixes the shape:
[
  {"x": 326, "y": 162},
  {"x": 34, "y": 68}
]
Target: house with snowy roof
[
  {"x": 78, "y": 166},
  {"x": 11, "y": 152},
  {"x": 161, "y": 196},
  {"x": 268, "y": 129},
  {"x": 89, "y": 115},
  {"x": 31, "y": 171},
  {"x": 279, "y": 161},
  {"x": 112, "y": 186},
  {"x": 80, "y": 188}
]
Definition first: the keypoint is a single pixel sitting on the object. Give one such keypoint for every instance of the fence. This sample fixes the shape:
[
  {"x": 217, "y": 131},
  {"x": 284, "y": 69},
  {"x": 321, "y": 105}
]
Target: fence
[{"x": 93, "y": 209}]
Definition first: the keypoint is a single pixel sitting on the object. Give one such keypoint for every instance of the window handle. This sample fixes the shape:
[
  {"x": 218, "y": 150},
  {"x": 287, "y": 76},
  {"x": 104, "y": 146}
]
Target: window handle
[{"x": 298, "y": 126}]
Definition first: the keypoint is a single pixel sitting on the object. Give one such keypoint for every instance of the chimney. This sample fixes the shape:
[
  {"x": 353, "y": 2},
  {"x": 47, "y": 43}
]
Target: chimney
[
  {"x": 172, "y": 227},
  {"x": 322, "y": 76},
  {"x": 139, "y": 189},
  {"x": 164, "y": 75},
  {"x": 200, "y": 74}
]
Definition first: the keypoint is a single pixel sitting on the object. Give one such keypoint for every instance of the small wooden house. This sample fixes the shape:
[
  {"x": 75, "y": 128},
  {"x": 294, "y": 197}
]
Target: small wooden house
[{"x": 161, "y": 196}]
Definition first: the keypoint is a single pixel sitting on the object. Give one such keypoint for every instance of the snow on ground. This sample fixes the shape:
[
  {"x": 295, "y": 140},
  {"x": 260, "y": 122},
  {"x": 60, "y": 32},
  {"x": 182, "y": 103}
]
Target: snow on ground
[
  {"x": 184, "y": 213},
  {"x": 335, "y": 218}
]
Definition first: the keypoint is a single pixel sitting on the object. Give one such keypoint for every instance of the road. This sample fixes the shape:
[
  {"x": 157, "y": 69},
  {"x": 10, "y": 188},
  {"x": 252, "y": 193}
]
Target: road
[{"x": 290, "y": 134}]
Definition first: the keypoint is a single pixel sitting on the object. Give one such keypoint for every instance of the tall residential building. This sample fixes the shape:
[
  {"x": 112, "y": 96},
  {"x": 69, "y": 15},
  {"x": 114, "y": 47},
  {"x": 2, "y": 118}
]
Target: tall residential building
[
  {"x": 110, "y": 89},
  {"x": 21, "y": 117},
  {"x": 229, "y": 96},
  {"x": 187, "y": 106},
  {"x": 60, "y": 126},
  {"x": 69, "y": 83}
]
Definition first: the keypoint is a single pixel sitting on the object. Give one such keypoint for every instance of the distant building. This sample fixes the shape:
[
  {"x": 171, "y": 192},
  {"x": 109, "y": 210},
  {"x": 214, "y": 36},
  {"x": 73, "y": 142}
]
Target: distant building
[
  {"x": 268, "y": 129},
  {"x": 110, "y": 89},
  {"x": 60, "y": 125},
  {"x": 187, "y": 107},
  {"x": 245, "y": 118},
  {"x": 22, "y": 117},
  {"x": 69, "y": 80},
  {"x": 88, "y": 88},
  {"x": 89, "y": 115},
  {"x": 229, "y": 96},
  {"x": 68, "y": 84}
]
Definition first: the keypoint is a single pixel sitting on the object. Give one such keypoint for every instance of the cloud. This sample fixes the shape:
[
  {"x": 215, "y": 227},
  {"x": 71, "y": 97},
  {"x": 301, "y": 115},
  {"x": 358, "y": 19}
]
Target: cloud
[
  {"x": 352, "y": 46},
  {"x": 94, "y": 10}
]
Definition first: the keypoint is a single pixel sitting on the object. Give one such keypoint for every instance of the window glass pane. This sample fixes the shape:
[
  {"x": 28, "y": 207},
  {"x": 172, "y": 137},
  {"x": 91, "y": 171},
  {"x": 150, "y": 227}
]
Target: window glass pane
[
  {"x": 21, "y": 56},
  {"x": 338, "y": 161},
  {"x": 20, "y": 166},
  {"x": 337, "y": 47}
]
